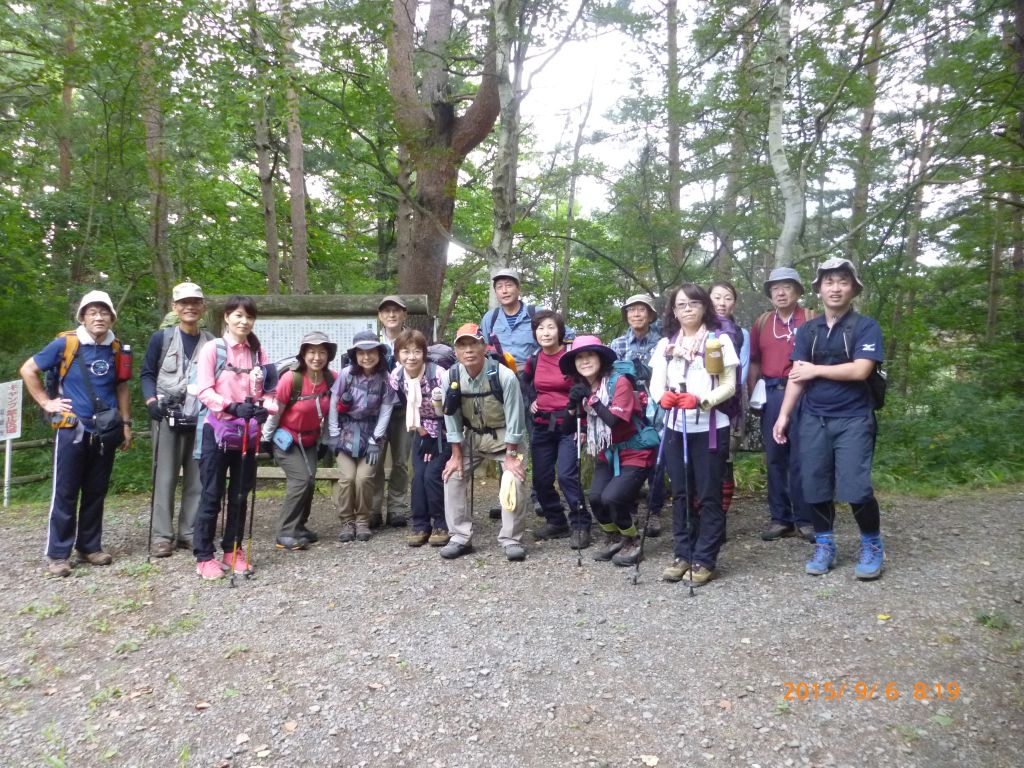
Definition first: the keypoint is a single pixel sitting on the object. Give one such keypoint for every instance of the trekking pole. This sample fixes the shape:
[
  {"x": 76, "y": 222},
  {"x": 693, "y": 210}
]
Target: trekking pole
[
  {"x": 686, "y": 490},
  {"x": 250, "y": 571},
  {"x": 234, "y": 536},
  {"x": 583, "y": 506},
  {"x": 647, "y": 517},
  {"x": 152, "y": 492}
]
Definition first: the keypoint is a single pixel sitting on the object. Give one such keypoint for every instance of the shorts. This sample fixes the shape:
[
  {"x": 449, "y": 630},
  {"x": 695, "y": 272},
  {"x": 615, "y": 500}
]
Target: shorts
[{"x": 836, "y": 454}]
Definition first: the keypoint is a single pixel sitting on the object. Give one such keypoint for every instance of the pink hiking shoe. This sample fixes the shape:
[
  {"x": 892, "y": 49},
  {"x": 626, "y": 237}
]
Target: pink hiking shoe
[
  {"x": 210, "y": 570},
  {"x": 237, "y": 560}
]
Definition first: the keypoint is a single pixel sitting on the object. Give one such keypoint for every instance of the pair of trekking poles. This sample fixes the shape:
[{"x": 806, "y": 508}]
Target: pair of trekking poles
[{"x": 249, "y": 571}]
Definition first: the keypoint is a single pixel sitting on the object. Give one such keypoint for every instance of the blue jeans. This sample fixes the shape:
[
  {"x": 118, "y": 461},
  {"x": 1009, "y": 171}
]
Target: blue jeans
[
  {"x": 552, "y": 450},
  {"x": 427, "y": 493},
  {"x": 699, "y": 541},
  {"x": 786, "y": 502}
]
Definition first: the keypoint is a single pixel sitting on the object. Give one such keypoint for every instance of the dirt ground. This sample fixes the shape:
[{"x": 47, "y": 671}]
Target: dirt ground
[{"x": 381, "y": 655}]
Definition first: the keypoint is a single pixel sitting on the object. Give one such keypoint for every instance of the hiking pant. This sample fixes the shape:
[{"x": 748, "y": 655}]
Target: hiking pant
[
  {"x": 81, "y": 474},
  {"x": 427, "y": 492},
  {"x": 699, "y": 541},
  {"x": 215, "y": 465},
  {"x": 398, "y": 443},
  {"x": 299, "y": 467},
  {"x": 552, "y": 450},
  {"x": 786, "y": 503},
  {"x": 172, "y": 452},
  {"x": 456, "y": 498},
  {"x": 353, "y": 493},
  {"x": 612, "y": 497},
  {"x": 837, "y": 456}
]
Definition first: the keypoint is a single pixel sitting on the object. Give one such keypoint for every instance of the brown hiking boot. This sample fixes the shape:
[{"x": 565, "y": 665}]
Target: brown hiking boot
[
  {"x": 56, "y": 567},
  {"x": 676, "y": 571},
  {"x": 95, "y": 558},
  {"x": 629, "y": 554},
  {"x": 698, "y": 575},
  {"x": 439, "y": 537},
  {"x": 609, "y": 545},
  {"x": 161, "y": 548},
  {"x": 417, "y": 538},
  {"x": 362, "y": 532}
]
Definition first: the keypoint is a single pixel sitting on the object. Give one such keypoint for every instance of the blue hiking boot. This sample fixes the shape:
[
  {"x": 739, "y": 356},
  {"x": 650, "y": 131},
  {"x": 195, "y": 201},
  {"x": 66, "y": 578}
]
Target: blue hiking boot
[
  {"x": 824, "y": 554},
  {"x": 872, "y": 553}
]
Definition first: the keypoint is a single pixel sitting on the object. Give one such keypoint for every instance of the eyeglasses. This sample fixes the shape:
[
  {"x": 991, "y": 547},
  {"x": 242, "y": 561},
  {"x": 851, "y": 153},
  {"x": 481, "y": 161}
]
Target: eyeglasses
[
  {"x": 97, "y": 313},
  {"x": 689, "y": 305}
]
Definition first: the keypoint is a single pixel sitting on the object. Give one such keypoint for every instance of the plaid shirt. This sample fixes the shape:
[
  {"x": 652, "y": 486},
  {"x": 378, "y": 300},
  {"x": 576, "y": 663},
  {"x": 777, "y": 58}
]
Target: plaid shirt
[{"x": 629, "y": 347}]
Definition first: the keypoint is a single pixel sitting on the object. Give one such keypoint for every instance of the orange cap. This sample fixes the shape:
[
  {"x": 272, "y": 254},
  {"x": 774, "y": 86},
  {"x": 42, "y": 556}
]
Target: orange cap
[{"x": 471, "y": 330}]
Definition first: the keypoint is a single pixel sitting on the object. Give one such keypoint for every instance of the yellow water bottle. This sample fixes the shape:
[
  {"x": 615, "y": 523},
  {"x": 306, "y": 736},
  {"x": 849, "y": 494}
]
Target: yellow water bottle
[{"x": 713, "y": 361}]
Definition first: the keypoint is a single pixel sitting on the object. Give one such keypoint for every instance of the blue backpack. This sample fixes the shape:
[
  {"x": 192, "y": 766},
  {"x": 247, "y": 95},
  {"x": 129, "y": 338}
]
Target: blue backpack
[{"x": 646, "y": 436}]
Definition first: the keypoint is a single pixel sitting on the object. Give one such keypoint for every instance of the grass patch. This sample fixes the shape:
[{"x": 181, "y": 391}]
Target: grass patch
[
  {"x": 994, "y": 620},
  {"x": 103, "y": 695},
  {"x": 236, "y": 650},
  {"x": 44, "y": 610},
  {"x": 126, "y": 646}
]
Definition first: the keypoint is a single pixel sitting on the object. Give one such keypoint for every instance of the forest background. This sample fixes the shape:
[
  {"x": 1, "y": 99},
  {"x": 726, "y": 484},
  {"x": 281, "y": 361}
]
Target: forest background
[{"x": 345, "y": 146}]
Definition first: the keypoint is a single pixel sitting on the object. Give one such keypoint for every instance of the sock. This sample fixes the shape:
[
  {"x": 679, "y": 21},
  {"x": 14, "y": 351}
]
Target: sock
[
  {"x": 823, "y": 516},
  {"x": 868, "y": 516}
]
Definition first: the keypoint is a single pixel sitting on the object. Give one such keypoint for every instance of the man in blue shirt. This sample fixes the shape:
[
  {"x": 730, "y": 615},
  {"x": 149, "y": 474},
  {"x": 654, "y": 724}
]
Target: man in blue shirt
[
  {"x": 83, "y": 451},
  {"x": 835, "y": 353},
  {"x": 511, "y": 321}
]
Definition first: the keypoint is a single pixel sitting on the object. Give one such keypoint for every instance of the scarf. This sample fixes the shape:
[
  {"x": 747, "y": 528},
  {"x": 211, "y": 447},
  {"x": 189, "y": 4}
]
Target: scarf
[
  {"x": 599, "y": 434},
  {"x": 414, "y": 401},
  {"x": 690, "y": 347}
]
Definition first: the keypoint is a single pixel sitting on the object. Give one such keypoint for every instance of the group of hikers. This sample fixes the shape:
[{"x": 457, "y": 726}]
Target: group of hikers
[{"x": 665, "y": 398}]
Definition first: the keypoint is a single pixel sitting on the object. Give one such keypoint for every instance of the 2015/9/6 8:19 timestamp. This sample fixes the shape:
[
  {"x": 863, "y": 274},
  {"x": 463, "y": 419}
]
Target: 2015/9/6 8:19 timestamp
[{"x": 863, "y": 690}]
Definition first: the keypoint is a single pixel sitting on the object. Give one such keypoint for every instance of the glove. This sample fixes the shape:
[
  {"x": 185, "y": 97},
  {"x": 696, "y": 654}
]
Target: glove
[
  {"x": 372, "y": 453},
  {"x": 156, "y": 411},
  {"x": 322, "y": 450},
  {"x": 242, "y": 410},
  {"x": 577, "y": 395},
  {"x": 345, "y": 402},
  {"x": 668, "y": 400},
  {"x": 687, "y": 402},
  {"x": 266, "y": 447},
  {"x": 260, "y": 414}
]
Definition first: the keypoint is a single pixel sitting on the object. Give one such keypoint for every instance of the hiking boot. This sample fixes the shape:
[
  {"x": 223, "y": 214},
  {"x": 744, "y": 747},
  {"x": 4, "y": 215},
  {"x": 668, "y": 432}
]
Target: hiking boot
[
  {"x": 362, "y": 532},
  {"x": 551, "y": 531},
  {"x": 209, "y": 570},
  {"x": 95, "y": 558},
  {"x": 579, "y": 538},
  {"x": 654, "y": 526},
  {"x": 184, "y": 542},
  {"x": 439, "y": 537},
  {"x": 237, "y": 561},
  {"x": 676, "y": 571},
  {"x": 162, "y": 548},
  {"x": 495, "y": 513},
  {"x": 807, "y": 533},
  {"x": 610, "y": 544},
  {"x": 417, "y": 538},
  {"x": 872, "y": 554},
  {"x": 397, "y": 520},
  {"x": 824, "y": 555},
  {"x": 698, "y": 575},
  {"x": 629, "y": 554},
  {"x": 290, "y": 543},
  {"x": 348, "y": 533},
  {"x": 776, "y": 531},
  {"x": 58, "y": 567},
  {"x": 455, "y": 549},
  {"x": 308, "y": 535},
  {"x": 515, "y": 552},
  {"x": 538, "y": 510}
]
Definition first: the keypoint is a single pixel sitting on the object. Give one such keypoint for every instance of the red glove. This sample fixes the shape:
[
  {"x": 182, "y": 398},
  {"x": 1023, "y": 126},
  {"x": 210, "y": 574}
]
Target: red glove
[
  {"x": 686, "y": 401},
  {"x": 345, "y": 403},
  {"x": 668, "y": 400}
]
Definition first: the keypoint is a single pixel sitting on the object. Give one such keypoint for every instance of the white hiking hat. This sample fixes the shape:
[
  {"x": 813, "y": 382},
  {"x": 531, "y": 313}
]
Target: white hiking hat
[{"x": 96, "y": 297}]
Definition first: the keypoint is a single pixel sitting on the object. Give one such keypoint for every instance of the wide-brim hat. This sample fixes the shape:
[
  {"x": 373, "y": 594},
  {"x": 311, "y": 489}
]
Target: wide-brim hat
[
  {"x": 96, "y": 297},
  {"x": 780, "y": 274},
  {"x": 366, "y": 340},
  {"x": 567, "y": 364},
  {"x": 318, "y": 339},
  {"x": 392, "y": 299},
  {"x": 508, "y": 273},
  {"x": 638, "y": 298},
  {"x": 832, "y": 265}
]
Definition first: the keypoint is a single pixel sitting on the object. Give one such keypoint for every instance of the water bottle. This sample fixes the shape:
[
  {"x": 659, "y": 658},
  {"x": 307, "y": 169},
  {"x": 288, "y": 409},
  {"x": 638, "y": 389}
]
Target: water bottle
[
  {"x": 124, "y": 363},
  {"x": 713, "y": 361},
  {"x": 437, "y": 401}
]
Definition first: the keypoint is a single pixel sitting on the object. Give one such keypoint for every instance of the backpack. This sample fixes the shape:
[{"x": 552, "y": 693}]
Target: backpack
[
  {"x": 762, "y": 321},
  {"x": 53, "y": 378},
  {"x": 298, "y": 379},
  {"x": 878, "y": 381},
  {"x": 733, "y": 407},
  {"x": 646, "y": 436}
]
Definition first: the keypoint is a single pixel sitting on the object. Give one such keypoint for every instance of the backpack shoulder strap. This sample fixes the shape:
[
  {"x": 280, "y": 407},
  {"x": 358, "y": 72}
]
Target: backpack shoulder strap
[
  {"x": 492, "y": 318},
  {"x": 494, "y": 379},
  {"x": 165, "y": 344},
  {"x": 70, "y": 350},
  {"x": 530, "y": 367},
  {"x": 531, "y": 310},
  {"x": 222, "y": 357},
  {"x": 298, "y": 378},
  {"x": 762, "y": 321}
]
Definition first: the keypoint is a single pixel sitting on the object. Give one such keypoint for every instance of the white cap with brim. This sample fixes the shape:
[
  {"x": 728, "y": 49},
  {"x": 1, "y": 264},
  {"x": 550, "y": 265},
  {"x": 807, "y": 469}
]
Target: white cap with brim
[
  {"x": 639, "y": 298},
  {"x": 96, "y": 297},
  {"x": 184, "y": 291},
  {"x": 837, "y": 263},
  {"x": 779, "y": 275},
  {"x": 508, "y": 274},
  {"x": 392, "y": 299}
]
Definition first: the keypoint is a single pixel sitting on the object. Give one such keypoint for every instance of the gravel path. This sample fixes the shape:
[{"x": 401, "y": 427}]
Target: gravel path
[{"x": 381, "y": 655}]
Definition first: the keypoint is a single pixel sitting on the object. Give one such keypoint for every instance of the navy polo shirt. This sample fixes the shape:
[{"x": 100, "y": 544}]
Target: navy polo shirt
[
  {"x": 825, "y": 397},
  {"x": 95, "y": 359}
]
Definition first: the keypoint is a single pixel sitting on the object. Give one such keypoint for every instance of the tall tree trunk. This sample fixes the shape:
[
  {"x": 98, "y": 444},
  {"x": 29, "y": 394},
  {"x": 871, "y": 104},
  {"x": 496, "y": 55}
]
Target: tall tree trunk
[
  {"x": 266, "y": 164},
  {"x": 1017, "y": 227},
  {"x": 436, "y": 139},
  {"x": 296, "y": 168},
  {"x": 574, "y": 173},
  {"x": 994, "y": 269},
  {"x": 674, "y": 133},
  {"x": 863, "y": 167},
  {"x": 153, "y": 120},
  {"x": 64, "y": 250},
  {"x": 791, "y": 185},
  {"x": 506, "y": 159}
]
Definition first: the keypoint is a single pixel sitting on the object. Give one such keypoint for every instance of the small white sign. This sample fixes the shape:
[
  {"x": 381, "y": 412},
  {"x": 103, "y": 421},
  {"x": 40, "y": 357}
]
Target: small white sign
[
  {"x": 280, "y": 337},
  {"x": 10, "y": 410}
]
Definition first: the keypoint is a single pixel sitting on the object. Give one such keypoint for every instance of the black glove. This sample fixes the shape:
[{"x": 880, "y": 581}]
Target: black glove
[
  {"x": 260, "y": 414},
  {"x": 156, "y": 411},
  {"x": 426, "y": 446},
  {"x": 372, "y": 453},
  {"x": 577, "y": 395},
  {"x": 242, "y": 410},
  {"x": 266, "y": 447},
  {"x": 322, "y": 451},
  {"x": 604, "y": 414}
]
